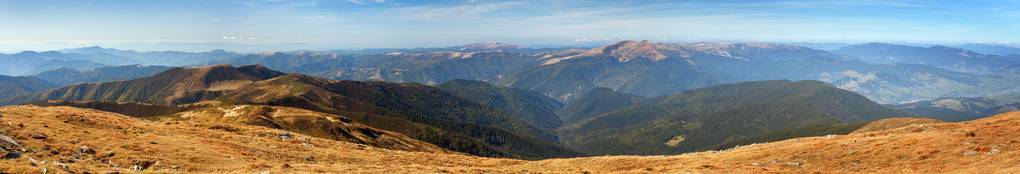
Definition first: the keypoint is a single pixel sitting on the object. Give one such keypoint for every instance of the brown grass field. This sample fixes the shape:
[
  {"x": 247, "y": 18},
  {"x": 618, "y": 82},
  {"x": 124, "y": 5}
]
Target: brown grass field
[{"x": 75, "y": 140}]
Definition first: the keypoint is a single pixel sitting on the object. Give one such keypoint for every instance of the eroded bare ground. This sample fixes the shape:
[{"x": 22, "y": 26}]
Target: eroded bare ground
[{"x": 59, "y": 139}]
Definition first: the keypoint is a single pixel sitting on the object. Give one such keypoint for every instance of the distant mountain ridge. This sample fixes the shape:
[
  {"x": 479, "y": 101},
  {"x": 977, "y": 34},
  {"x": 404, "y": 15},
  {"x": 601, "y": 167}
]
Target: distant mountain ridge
[
  {"x": 177, "y": 85},
  {"x": 642, "y": 68},
  {"x": 650, "y": 69},
  {"x": 963, "y": 108},
  {"x": 21, "y": 86},
  {"x": 31, "y": 62},
  {"x": 955, "y": 59},
  {"x": 163, "y": 58},
  {"x": 996, "y": 49},
  {"x": 67, "y": 76}
]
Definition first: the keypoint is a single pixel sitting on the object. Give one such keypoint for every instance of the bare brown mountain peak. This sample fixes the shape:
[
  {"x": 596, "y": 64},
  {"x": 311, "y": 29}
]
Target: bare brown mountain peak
[
  {"x": 625, "y": 51},
  {"x": 171, "y": 86},
  {"x": 702, "y": 46},
  {"x": 489, "y": 46},
  {"x": 628, "y": 50}
]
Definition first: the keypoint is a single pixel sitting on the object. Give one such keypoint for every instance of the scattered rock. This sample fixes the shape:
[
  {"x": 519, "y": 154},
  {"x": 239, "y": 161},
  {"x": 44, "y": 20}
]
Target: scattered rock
[
  {"x": 33, "y": 161},
  {"x": 969, "y": 153},
  {"x": 38, "y": 136},
  {"x": 9, "y": 148},
  {"x": 143, "y": 165},
  {"x": 993, "y": 151},
  {"x": 8, "y": 143},
  {"x": 11, "y": 155},
  {"x": 61, "y": 165},
  {"x": 971, "y": 134},
  {"x": 107, "y": 154},
  {"x": 286, "y": 136},
  {"x": 83, "y": 151}
]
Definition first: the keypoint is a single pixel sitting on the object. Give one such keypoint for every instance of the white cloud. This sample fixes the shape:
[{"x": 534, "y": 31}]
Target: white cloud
[{"x": 360, "y": 2}]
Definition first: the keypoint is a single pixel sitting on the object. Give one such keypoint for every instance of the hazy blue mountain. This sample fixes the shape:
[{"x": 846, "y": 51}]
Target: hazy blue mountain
[
  {"x": 293, "y": 62},
  {"x": 955, "y": 59},
  {"x": 173, "y": 86},
  {"x": 163, "y": 58},
  {"x": 22, "y": 85},
  {"x": 66, "y": 76},
  {"x": 827, "y": 46},
  {"x": 724, "y": 116},
  {"x": 640, "y": 68},
  {"x": 883, "y": 83},
  {"x": 962, "y": 108},
  {"x": 996, "y": 49},
  {"x": 653, "y": 69},
  {"x": 31, "y": 62}
]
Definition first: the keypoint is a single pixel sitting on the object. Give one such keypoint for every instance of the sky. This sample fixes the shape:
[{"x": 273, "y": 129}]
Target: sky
[{"x": 353, "y": 24}]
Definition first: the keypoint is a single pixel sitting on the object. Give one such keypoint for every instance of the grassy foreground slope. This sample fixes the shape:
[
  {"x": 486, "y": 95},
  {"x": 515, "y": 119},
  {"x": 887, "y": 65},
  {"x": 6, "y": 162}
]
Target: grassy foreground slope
[{"x": 56, "y": 135}]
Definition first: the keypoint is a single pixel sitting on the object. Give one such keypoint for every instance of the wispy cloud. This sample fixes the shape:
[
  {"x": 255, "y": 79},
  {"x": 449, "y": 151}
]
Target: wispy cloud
[
  {"x": 360, "y": 2},
  {"x": 454, "y": 12},
  {"x": 421, "y": 23}
]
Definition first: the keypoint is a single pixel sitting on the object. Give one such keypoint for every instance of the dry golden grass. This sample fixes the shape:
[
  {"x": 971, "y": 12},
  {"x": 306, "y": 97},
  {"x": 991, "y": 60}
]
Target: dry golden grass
[
  {"x": 982, "y": 146},
  {"x": 305, "y": 122},
  {"x": 892, "y": 123}
]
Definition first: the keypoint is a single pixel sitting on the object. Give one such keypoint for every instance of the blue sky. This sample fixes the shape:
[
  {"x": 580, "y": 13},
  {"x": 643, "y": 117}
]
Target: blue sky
[{"x": 345, "y": 24}]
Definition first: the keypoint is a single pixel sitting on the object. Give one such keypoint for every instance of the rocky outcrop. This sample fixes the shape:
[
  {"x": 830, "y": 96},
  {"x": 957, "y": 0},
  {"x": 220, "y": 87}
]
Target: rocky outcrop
[{"x": 9, "y": 148}]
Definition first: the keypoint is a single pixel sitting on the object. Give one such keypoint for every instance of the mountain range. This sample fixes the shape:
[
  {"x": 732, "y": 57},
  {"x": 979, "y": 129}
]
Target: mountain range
[
  {"x": 504, "y": 100},
  {"x": 950, "y": 58},
  {"x": 995, "y": 49},
  {"x": 479, "y": 118},
  {"x": 723, "y": 116},
  {"x": 177, "y": 85},
  {"x": 963, "y": 108},
  {"x": 15, "y": 86},
  {"x": 423, "y": 112},
  {"x": 67, "y": 76},
  {"x": 886, "y": 73}
]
